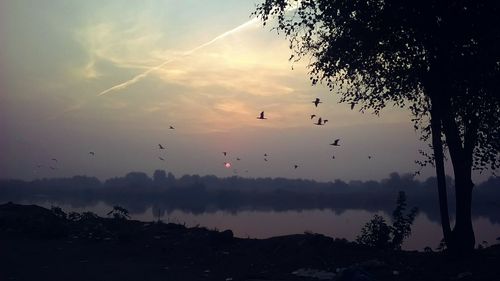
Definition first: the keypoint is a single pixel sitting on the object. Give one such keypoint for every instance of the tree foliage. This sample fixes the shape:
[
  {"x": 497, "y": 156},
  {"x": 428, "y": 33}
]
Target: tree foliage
[{"x": 377, "y": 53}]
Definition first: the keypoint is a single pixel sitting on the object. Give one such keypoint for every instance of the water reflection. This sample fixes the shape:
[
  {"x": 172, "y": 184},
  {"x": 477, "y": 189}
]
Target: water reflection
[{"x": 263, "y": 224}]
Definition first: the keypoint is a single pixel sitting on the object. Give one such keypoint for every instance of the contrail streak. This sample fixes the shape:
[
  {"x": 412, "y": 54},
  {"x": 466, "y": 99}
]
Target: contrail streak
[{"x": 138, "y": 77}]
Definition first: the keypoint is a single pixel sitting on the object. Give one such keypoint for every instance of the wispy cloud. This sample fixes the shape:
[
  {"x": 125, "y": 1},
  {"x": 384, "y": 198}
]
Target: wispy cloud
[{"x": 140, "y": 76}]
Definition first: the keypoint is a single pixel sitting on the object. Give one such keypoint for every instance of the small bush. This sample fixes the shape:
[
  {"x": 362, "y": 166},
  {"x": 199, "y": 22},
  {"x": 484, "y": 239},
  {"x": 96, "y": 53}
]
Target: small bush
[
  {"x": 378, "y": 234},
  {"x": 119, "y": 213}
]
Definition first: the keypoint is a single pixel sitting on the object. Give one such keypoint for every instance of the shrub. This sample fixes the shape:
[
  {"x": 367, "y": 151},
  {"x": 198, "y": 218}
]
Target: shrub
[
  {"x": 377, "y": 233},
  {"x": 119, "y": 213}
]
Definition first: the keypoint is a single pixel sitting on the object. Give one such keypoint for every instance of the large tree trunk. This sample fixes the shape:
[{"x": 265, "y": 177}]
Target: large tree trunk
[
  {"x": 461, "y": 157},
  {"x": 437, "y": 146},
  {"x": 463, "y": 232}
]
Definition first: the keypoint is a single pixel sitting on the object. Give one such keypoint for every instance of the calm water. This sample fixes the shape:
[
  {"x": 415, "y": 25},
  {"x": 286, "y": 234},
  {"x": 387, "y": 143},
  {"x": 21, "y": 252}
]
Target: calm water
[{"x": 264, "y": 224}]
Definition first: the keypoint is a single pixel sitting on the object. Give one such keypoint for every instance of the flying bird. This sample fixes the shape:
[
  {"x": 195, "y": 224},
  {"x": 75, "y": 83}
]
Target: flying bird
[
  {"x": 335, "y": 142},
  {"x": 172, "y": 128},
  {"x": 161, "y": 146},
  {"x": 265, "y": 154},
  {"x": 295, "y": 166},
  {"x": 92, "y": 153},
  {"x": 54, "y": 159},
  {"x": 238, "y": 159},
  {"x": 352, "y": 105},
  {"x": 265, "y": 159},
  {"x": 369, "y": 157},
  {"x": 316, "y": 102},
  {"x": 319, "y": 123},
  {"x": 261, "y": 116},
  {"x": 161, "y": 158},
  {"x": 225, "y": 153},
  {"x": 333, "y": 156},
  {"x": 312, "y": 116},
  {"x": 324, "y": 122}
]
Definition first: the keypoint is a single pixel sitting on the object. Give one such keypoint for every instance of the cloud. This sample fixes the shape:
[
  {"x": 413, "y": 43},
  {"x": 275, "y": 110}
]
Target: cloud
[{"x": 140, "y": 76}]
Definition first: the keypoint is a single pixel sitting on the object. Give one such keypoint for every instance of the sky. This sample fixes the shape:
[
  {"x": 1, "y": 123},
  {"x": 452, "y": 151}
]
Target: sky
[{"x": 112, "y": 77}]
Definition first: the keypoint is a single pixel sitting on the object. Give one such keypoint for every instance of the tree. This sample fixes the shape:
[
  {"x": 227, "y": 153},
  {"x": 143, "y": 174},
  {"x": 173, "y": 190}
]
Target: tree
[
  {"x": 160, "y": 177},
  {"x": 439, "y": 59}
]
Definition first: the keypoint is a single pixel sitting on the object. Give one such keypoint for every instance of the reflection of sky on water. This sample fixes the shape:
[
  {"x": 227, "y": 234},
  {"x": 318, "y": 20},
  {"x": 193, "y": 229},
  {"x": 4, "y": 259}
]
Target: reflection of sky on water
[{"x": 264, "y": 224}]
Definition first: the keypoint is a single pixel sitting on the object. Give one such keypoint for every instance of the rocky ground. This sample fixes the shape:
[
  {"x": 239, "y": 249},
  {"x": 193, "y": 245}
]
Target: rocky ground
[{"x": 40, "y": 244}]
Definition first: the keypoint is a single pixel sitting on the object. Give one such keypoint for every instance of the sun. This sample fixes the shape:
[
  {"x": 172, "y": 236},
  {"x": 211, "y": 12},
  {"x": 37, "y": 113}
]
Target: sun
[{"x": 227, "y": 165}]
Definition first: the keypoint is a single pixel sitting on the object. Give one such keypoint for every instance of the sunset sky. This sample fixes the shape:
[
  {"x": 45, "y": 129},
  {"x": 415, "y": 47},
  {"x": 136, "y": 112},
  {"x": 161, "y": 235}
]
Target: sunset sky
[{"x": 59, "y": 62}]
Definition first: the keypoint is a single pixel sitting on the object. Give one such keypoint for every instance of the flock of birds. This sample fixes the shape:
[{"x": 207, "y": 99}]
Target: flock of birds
[{"x": 320, "y": 122}]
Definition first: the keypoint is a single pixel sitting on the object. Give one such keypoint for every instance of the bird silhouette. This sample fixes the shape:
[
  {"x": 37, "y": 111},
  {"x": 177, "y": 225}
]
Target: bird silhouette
[
  {"x": 312, "y": 116},
  {"x": 319, "y": 123},
  {"x": 324, "y": 121},
  {"x": 261, "y": 116},
  {"x": 92, "y": 153},
  {"x": 238, "y": 159},
  {"x": 335, "y": 142},
  {"x": 295, "y": 166},
  {"x": 352, "y": 105},
  {"x": 265, "y": 154},
  {"x": 161, "y": 146},
  {"x": 370, "y": 157},
  {"x": 172, "y": 128},
  {"x": 316, "y": 102},
  {"x": 265, "y": 159},
  {"x": 225, "y": 153},
  {"x": 161, "y": 158},
  {"x": 54, "y": 159},
  {"x": 333, "y": 156}
]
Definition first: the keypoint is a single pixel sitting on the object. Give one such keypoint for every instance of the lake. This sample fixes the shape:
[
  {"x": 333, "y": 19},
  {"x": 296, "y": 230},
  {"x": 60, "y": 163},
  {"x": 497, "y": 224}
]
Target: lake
[{"x": 267, "y": 223}]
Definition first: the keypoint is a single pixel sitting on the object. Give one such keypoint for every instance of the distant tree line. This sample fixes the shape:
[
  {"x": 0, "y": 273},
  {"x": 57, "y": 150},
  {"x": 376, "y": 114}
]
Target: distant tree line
[{"x": 138, "y": 192}]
